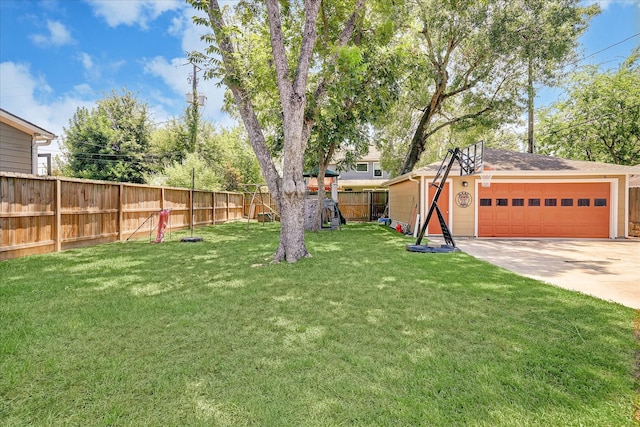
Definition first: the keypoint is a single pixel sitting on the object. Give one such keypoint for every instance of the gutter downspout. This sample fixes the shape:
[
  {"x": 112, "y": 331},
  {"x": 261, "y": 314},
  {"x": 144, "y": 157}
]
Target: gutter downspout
[
  {"x": 420, "y": 203},
  {"x": 37, "y": 140}
]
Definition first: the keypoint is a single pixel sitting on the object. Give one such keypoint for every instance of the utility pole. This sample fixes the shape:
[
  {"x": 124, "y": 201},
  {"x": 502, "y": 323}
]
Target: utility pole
[{"x": 195, "y": 100}]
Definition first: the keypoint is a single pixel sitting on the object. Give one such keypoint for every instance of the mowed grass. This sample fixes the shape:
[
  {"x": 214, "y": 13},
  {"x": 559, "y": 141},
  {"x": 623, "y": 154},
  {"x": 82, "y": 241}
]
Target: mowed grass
[{"x": 363, "y": 333}]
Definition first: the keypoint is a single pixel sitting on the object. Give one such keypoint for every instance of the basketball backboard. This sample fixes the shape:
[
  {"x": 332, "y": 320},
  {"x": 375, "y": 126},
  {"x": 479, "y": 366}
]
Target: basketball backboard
[{"x": 471, "y": 159}]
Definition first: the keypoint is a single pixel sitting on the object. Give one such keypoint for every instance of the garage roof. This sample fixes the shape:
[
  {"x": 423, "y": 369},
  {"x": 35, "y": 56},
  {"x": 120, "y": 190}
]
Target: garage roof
[{"x": 514, "y": 163}]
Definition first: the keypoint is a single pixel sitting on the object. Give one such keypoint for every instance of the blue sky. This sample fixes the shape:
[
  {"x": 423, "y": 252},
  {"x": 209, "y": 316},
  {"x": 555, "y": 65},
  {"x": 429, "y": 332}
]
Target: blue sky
[{"x": 58, "y": 55}]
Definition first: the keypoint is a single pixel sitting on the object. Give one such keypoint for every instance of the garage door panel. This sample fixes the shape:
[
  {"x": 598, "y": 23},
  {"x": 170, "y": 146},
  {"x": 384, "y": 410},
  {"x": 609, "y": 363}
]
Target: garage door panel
[
  {"x": 518, "y": 217},
  {"x": 520, "y": 229},
  {"x": 549, "y": 230},
  {"x": 533, "y": 230},
  {"x": 501, "y": 231},
  {"x": 544, "y": 210}
]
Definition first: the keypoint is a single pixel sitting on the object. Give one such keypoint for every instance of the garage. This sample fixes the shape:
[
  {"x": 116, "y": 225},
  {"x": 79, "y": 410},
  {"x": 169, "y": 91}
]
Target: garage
[
  {"x": 558, "y": 209},
  {"x": 529, "y": 196}
]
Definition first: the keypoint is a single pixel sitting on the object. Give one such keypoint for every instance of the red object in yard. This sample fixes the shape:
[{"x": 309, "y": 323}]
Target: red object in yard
[
  {"x": 163, "y": 219},
  {"x": 398, "y": 228}
]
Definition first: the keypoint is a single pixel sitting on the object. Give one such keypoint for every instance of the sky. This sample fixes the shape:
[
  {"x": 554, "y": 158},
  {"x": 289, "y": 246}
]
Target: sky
[{"x": 58, "y": 55}]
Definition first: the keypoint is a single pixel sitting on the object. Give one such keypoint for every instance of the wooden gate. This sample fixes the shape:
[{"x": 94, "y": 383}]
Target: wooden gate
[{"x": 362, "y": 205}]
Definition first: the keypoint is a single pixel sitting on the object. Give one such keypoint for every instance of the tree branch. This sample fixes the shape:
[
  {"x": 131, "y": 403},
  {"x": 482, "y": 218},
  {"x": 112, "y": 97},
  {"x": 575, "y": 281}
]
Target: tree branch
[
  {"x": 247, "y": 112},
  {"x": 279, "y": 54},
  {"x": 456, "y": 120},
  {"x": 320, "y": 93},
  {"x": 309, "y": 36}
]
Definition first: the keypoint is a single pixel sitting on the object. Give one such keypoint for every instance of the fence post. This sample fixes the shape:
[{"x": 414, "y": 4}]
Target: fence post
[
  {"x": 191, "y": 219},
  {"x": 227, "y": 206},
  {"x": 58, "y": 216},
  {"x": 214, "y": 207},
  {"x": 120, "y": 211}
]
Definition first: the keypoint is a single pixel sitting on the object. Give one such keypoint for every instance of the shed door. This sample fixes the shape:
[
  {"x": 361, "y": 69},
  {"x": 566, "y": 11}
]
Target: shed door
[
  {"x": 544, "y": 210},
  {"x": 443, "y": 204}
]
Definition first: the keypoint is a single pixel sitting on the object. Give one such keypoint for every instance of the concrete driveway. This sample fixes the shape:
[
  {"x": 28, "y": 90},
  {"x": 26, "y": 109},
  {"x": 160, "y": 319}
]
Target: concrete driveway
[{"x": 607, "y": 269}]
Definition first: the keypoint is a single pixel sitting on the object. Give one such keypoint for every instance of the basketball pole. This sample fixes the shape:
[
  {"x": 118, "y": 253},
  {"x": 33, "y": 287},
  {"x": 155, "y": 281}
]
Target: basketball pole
[{"x": 193, "y": 186}]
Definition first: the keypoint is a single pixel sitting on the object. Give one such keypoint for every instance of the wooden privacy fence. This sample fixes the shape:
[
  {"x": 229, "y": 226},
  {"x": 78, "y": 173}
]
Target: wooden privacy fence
[
  {"x": 354, "y": 205},
  {"x": 362, "y": 205},
  {"x": 47, "y": 214}
]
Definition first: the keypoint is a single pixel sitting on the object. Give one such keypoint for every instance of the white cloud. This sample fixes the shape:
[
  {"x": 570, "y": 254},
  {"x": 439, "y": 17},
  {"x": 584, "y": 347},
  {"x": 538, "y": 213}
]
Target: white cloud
[
  {"x": 58, "y": 35},
  {"x": 86, "y": 60},
  {"x": 84, "y": 89},
  {"x": 184, "y": 28},
  {"x": 132, "y": 12},
  {"x": 28, "y": 96},
  {"x": 175, "y": 72},
  {"x": 91, "y": 71}
]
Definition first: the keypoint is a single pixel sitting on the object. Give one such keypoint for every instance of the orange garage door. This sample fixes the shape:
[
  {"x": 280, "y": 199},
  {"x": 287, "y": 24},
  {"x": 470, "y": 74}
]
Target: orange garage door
[{"x": 544, "y": 210}]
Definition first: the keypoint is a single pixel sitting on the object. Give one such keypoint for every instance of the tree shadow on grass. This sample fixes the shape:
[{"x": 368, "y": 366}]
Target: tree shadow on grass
[{"x": 362, "y": 333}]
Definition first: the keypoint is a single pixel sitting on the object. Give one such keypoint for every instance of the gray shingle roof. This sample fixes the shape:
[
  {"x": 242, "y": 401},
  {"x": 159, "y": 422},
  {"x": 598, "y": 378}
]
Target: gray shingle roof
[{"x": 513, "y": 163}]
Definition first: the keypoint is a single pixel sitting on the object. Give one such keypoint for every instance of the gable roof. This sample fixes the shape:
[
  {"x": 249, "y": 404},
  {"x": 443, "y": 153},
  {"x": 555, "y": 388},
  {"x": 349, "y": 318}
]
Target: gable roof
[
  {"x": 514, "y": 163},
  {"x": 24, "y": 125},
  {"x": 373, "y": 155}
]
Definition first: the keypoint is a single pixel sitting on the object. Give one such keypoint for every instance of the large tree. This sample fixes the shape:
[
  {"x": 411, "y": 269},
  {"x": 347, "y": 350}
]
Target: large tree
[
  {"x": 292, "y": 34},
  {"x": 110, "y": 141},
  {"x": 600, "y": 118},
  {"x": 545, "y": 34},
  {"x": 467, "y": 64},
  {"x": 360, "y": 93},
  {"x": 222, "y": 158}
]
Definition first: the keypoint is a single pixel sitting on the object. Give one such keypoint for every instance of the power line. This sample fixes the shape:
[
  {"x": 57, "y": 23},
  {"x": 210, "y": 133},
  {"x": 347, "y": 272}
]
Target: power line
[
  {"x": 603, "y": 49},
  {"x": 585, "y": 122}
]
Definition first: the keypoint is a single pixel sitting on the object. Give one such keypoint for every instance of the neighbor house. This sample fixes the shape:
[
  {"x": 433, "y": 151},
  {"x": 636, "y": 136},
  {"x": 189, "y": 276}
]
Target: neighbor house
[
  {"x": 366, "y": 176},
  {"x": 528, "y": 196},
  {"x": 19, "y": 142}
]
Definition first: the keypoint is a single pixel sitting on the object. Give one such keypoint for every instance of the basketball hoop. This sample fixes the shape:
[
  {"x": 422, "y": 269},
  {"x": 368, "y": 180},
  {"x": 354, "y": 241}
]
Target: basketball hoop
[{"x": 486, "y": 175}]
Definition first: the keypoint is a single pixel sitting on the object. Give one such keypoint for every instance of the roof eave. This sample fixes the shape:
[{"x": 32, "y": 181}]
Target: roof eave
[{"x": 25, "y": 126}]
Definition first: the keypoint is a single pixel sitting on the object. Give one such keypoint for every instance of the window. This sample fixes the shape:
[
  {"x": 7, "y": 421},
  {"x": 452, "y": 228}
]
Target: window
[
  {"x": 599, "y": 202},
  {"x": 550, "y": 202},
  {"x": 534, "y": 202},
  {"x": 485, "y": 202},
  {"x": 517, "y": 202},
  {"x": 566, "y": 202},
  {"x": 502, "y": 202},
  {"x": 583, "y": 202},
  {"x": 377, "y": 170},
  {"x": 362, "y": 167}
]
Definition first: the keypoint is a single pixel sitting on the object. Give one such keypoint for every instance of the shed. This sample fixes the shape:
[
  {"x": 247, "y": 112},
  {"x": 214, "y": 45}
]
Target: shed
[
  {"x": 529, "y": 196},
  {"x": 19, "y": 142}
]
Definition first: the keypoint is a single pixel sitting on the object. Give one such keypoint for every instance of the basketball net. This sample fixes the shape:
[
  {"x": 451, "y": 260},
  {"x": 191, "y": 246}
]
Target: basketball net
[{"x": 486, "y": 175}]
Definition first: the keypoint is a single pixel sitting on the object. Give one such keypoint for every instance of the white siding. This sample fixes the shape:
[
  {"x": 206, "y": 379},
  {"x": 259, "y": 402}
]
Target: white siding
[{"x": 15, "y": 150}]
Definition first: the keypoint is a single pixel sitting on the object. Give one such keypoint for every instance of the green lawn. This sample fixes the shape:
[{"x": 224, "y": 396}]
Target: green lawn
[{"x": 362, "y": 333}]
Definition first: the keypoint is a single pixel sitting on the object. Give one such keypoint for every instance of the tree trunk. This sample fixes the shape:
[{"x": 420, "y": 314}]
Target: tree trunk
[
  {"x": 530, "y": 96},
  {"x": 291, "y": 247},
  {"x": 417, "y": 143},
  {"x": 288, "y": 189},
  {"x": 292, "y": 95}
]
